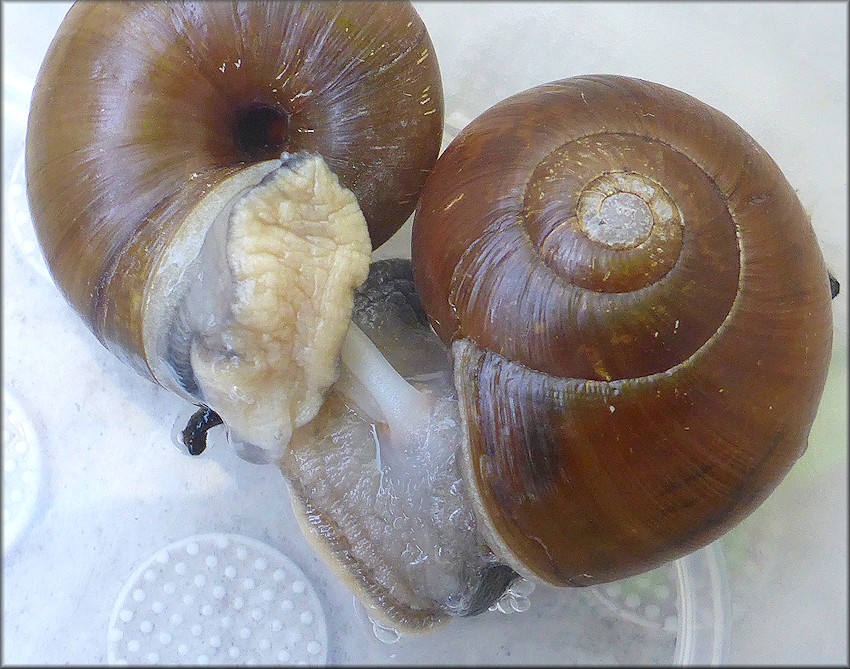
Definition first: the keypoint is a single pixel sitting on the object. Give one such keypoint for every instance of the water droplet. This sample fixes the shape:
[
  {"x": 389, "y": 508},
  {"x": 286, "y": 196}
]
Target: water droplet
[{"x": 522, "y": 587}]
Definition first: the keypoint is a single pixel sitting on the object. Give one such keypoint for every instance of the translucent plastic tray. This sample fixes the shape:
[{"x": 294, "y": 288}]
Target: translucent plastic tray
[{"x": 98, "y": 506}]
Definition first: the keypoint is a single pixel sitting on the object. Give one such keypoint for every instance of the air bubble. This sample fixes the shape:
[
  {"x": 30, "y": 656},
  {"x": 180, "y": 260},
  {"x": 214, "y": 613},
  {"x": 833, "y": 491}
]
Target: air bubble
[
  {"x": 522, "y": 587},
  {"x": 386, "y": 635},
  {"x": 520, "y": 604}
]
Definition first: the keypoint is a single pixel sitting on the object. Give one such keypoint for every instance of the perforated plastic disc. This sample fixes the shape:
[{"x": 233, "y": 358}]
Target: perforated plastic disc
[
  {"x": 648, "y": 600},
  {"x": 217, "y": 599}
]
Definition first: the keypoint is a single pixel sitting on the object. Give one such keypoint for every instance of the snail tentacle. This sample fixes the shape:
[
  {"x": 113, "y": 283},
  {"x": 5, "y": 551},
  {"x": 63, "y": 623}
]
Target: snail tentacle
[{"x": 194, "y": 435}]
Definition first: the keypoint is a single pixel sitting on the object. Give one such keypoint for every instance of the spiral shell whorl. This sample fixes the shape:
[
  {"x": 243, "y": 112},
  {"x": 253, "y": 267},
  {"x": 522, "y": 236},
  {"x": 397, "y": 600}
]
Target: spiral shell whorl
[
  {"x": 589, "y": 309},
  {"x": 633, "y": 393}
]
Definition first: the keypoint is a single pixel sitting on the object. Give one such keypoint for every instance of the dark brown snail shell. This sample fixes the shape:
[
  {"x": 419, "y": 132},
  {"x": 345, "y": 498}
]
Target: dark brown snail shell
[
  {"x": 639, "y": 316},
  {"x": 141, "y": 110}
]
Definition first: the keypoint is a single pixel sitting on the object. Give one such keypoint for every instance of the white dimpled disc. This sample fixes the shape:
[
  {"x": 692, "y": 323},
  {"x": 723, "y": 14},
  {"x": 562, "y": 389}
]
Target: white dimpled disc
[
  {"x": 21, "y": 471},
  {"x": 218, "y": 599}
]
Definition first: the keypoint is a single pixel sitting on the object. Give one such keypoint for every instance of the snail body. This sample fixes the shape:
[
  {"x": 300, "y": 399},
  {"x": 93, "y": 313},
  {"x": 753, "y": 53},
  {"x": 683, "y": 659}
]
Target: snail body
[
  {"x": 153, "y": 125},
  {"x": 639, "y": 316}
]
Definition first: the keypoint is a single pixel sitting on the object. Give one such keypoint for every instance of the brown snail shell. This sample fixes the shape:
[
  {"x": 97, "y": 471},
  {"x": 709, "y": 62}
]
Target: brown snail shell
[
  {"x": 148, "y": 118},
  {"x": 139, "y": 107},
  {"x": 639, "y": 317}
]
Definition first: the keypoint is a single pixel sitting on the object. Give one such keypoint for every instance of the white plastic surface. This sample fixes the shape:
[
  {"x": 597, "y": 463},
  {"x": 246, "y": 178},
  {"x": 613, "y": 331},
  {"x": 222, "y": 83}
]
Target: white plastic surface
[{"x": 114, "y": 491}]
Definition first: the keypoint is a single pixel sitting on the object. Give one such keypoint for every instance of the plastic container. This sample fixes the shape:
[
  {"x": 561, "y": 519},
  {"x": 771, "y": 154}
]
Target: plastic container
[{"x": 111, "y": 491}]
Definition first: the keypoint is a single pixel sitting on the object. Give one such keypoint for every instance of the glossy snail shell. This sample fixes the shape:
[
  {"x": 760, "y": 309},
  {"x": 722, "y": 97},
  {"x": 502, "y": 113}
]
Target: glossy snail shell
[
  {"x": 141, "y": 110},
  {"x": 640, "y": 320}
]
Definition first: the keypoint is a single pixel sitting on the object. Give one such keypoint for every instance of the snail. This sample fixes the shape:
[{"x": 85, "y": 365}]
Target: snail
[
  {"x": 201, "y": 177},
  {"x": 639, "y": 318}
]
